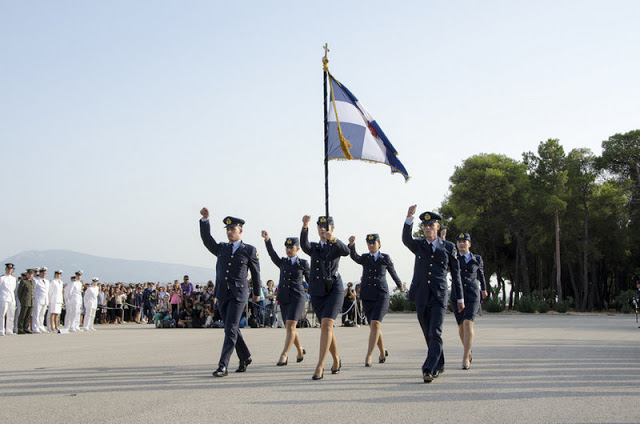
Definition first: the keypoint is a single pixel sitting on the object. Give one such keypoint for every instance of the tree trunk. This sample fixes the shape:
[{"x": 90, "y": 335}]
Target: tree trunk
[
  {"x": 524, "y": 269},
  {"x": 585, "y": 256},
  {"x": 558, "y": 264},
  {"x": 574, "y": 285}
]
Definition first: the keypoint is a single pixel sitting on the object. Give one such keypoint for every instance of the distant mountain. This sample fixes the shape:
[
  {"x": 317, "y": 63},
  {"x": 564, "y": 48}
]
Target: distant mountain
[{"x": 107, "y": 269}]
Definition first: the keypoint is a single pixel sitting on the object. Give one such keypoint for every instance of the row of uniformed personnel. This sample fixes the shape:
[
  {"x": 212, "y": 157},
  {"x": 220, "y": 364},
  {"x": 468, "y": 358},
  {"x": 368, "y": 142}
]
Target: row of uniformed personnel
[{"x": 434, "y": 257}]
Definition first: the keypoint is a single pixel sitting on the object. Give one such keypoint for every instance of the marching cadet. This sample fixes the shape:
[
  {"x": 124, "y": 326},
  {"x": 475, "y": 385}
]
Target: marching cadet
[
  {"x": 40, "y": 302},
  {"x": 90, "y": 300},
  {"x": 25, "y": 296},
  {"x": 7, "y": 300},
  {"x": 325, "y": 286},
  {"x": 473, "y": 286},
  {"x": 291, "y": 295},
  {"x": 374, "y": 291},
  {"x": 235, "y": 260},
  {"x": 73, "y": 303},
  {"x": 429, "y": 285},
  {"x": 55, "y": 301}
]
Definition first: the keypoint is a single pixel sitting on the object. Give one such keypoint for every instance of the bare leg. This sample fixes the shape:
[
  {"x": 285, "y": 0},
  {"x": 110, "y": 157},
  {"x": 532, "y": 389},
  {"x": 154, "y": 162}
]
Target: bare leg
[
  {"x": 288, "y": 341},
  {"x": 296, "y": 341},
  {"x": 383, "y": 351},
  {"x": 461, "y": 333},
  {"x": 327, "y": 344},
  {"x": 374, "y": 335},
  {"x": 467, "y": 341}
]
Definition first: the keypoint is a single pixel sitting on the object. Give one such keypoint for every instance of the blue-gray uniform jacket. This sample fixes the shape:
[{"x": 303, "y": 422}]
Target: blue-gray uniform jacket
[
  {"x": 324, "y": 262},
  {"x": 472, "y": 275},
  {"x": 232, "y": 268},
  {"x": 430, "y": 269},
  {"x": 374, "y": 274},
  {"x": 290, "y": 286}
]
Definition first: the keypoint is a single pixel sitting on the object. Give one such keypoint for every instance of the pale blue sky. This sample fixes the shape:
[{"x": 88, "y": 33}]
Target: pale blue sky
[{"x": 119, "y": 120}]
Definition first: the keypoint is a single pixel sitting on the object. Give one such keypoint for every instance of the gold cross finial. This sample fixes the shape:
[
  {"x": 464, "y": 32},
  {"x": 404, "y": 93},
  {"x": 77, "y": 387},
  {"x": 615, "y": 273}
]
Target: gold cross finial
[{"x": 325, "y": 59}]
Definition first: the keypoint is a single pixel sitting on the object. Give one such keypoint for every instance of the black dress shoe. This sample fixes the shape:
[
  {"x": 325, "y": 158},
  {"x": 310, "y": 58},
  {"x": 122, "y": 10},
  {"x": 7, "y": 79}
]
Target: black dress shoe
[
  {"x": 220, "y": 372},
  {"x": 466, "y": 367},
  {"x": 339, "y": 366},
  {"x": 243, "y": 365},
  {"x": 427, "y": 377},
  {"x": 304, "y": 352},
  {"x": 367, "y": 364},
  {"x": 438, "y": 372},
  {"x": 281, "y": 363},
  {"x": 318, "y": 377}
]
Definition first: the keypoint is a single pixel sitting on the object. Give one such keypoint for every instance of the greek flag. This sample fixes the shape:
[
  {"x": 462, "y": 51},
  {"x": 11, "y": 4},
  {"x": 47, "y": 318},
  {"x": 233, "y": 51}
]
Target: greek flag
[{"x": 354, "y": 134}]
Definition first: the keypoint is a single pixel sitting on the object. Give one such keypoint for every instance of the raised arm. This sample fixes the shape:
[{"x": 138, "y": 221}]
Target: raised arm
[
  {"x": 277, "y": 260},
  {"x": 205, "y": 233},
  {"x": 407, "y": 237},
  {"x": 304, "y": 235},
  {"x": 352, "y": 251}
]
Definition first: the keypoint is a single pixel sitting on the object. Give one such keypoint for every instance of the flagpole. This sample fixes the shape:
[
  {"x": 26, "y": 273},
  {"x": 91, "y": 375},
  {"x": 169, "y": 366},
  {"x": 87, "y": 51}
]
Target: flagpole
[{"x": 325, "y": 63}]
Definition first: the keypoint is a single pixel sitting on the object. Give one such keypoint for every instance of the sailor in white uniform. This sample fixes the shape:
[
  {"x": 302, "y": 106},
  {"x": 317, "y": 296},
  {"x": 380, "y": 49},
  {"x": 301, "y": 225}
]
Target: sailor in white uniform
[
  {"x": 90, "y": 305},
  {"x": 55, "y": 302},
  {"x": 40, "y": 301},
  {"x": 7, "y": 300},
  {"x": 73, "y": 301}
]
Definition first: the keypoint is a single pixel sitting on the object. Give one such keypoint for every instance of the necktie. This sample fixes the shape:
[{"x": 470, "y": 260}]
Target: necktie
[{"x": 431, "y": 247}]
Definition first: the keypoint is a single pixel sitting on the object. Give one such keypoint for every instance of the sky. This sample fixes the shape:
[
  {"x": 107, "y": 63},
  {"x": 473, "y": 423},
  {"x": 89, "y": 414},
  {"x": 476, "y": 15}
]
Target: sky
[{"x": 119, "y": 120}]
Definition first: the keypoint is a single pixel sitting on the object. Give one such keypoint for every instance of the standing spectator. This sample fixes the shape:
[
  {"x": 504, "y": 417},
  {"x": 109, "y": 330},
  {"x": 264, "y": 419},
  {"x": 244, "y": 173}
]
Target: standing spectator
[
  {"x": 348, "y": 312},
  {"x": 138, "y": 304},
  {"x": 55, "y": 301},
  {"x": 269, "y": 304},
  {"x": 111, "y": 305},
  {"x": 102, "y": 303},
  {"x": 176, "y": 300},
  {"x": 187, "y": 287},
  {"x": 7, "y": 299}
]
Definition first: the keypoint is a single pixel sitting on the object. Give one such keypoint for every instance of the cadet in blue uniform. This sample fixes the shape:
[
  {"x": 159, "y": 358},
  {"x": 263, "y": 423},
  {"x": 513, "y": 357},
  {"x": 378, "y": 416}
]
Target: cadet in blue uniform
[
  {"x": 291, "y": 295},
  {"x": 325, "y": 286},
  {"x": 429, "y": 285},
  {"x": 235, "y": 259},
  {"x": 374, "y": 291},
  {"x": 473, "y": 286}
]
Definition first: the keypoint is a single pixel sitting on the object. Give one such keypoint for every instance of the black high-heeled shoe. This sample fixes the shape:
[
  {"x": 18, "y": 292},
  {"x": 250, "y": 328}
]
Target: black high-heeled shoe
[
  {"x": 339, "y": 366},
  {"x": 281, "y": 364},
  {"x": 304, "y": 352},
  {"x": 318, "y": 377},
  {"x": 383, "y": 360}
]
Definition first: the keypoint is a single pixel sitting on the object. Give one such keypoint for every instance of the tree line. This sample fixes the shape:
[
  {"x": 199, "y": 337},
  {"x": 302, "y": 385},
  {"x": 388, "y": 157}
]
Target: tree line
[{"x": 560, "y": 227}]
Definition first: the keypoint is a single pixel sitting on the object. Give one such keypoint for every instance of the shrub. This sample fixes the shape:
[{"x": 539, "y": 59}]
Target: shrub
[
  {"x": 563, "y": 306},
  {"x": 626, "y": 308},
  {"x": 493, "y": 304},
  {"x": 625, "y": 298},
  {"x": 542, "y": 306},
  {"x": 525, "y": 304},
  {"x": 399, "y": 303}
]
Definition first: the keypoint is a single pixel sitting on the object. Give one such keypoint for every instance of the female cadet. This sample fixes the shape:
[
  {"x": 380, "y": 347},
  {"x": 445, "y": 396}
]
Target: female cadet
[
  {"x": 290, "y": 292},
  {"x": 325, "y": 286},
  {"x": 374, "y": 291},
  {"x": 473, "y": 285}
]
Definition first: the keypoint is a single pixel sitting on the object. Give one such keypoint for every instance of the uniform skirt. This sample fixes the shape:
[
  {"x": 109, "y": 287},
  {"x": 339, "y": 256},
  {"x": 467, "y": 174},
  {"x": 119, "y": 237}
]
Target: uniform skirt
[
  {"x": 329, "y": 305},
  {"x": 292, "y": 311},
  {"x": 55, "y": 308},
  {"x": 375, "y": 310},
  {"x": 468, "y": 313}
]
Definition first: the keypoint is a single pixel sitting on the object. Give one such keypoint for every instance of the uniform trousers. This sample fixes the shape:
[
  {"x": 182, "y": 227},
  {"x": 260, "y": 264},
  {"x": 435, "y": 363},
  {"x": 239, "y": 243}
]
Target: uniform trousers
[
  {"x": 7, "y": 310},
  {"x": 37, "y": 316},
  {"x": 431, "y": 317},
  {"x": 24, "y": 318},
  {"x": 89, "y": 316},
  {"x": 231, "y": 311},
  {"x": 72, "y": 317}
]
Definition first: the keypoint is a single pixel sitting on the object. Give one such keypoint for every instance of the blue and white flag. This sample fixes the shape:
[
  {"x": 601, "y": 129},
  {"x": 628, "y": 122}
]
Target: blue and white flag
[{"x": 354, "y": 134}]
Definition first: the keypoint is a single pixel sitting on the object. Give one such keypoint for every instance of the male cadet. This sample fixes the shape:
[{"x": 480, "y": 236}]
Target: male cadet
[
  {"x": 40, "y": 301},
  {"x": 25, "y": 296},
  {"x": 429, "y": 285},
  {"x": 73, "y": 302},
  {"x": 7, "y": 299},
  {"x": 232, "y": 288}
]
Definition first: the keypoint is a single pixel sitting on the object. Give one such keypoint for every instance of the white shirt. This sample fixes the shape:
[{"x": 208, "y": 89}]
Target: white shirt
[
  {"x": 55, "y": 292},
  {"x": 41, "y": 291},
  {"x": 91, "y": 296},
  {"x": 8, "y": 288}
]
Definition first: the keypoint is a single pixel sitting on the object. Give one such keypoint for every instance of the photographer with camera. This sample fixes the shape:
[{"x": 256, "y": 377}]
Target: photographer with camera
[{"x": 348, "y": 311}]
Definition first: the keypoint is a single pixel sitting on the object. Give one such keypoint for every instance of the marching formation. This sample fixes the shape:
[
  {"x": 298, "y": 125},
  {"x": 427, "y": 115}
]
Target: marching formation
[{"x": 435, "y": 258}]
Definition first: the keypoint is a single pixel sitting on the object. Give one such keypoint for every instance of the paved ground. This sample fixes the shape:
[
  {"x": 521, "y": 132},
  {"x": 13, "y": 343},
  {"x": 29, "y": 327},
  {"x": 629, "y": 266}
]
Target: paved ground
[{"x": 526, "y": 368}]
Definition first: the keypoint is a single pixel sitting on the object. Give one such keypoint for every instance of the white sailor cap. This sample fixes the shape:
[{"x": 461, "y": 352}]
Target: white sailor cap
[
  {"x": 59, "y": 271},
  {"x": 79, "y": 272},
  {"x": 44, "y": 268},
  {"x": 95, "y": 279}
]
